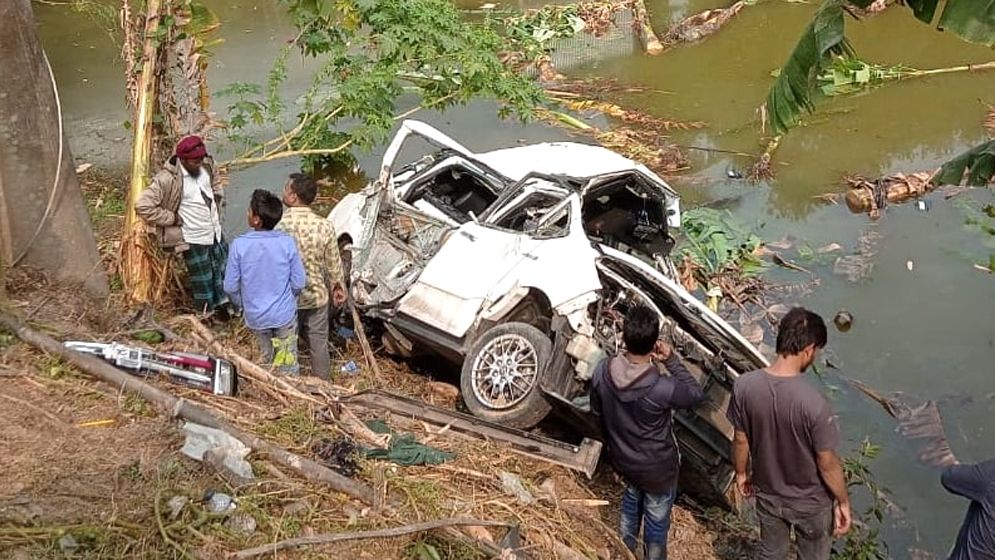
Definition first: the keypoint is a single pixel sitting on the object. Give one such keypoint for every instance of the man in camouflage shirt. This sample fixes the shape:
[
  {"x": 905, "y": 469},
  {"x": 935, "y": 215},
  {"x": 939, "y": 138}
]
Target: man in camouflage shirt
[{"x": 319, "y": 249}]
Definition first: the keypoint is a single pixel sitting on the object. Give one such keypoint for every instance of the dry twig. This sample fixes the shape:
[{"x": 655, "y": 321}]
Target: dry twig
[{"x": 329, "y": 538}]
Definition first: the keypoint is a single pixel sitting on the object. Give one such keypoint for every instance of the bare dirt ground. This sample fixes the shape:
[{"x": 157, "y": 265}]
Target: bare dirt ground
[{"x": 90, "y": 470}]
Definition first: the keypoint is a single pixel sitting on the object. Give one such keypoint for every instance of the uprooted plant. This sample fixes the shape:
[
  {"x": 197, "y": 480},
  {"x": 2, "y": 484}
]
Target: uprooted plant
[
  {"x": 717, "y": 253},
  {"x": 368, "y": 55}
]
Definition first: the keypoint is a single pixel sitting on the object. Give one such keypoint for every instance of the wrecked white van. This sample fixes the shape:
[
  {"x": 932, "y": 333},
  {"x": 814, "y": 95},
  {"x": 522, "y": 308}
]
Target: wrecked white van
[{"x": 520, "y": 264}]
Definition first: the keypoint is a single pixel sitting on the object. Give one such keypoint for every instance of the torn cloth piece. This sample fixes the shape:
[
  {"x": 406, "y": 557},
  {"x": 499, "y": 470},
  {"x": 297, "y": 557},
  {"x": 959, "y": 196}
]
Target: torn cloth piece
[{"x": 404, "y": 449}]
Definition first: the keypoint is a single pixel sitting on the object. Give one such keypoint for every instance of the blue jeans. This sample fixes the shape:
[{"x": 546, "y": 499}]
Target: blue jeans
[{"x": 652, "y": 511}]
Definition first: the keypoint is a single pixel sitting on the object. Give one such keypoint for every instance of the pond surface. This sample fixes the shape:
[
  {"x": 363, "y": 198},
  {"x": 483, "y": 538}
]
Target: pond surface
[{"x": 928, "y": 332}]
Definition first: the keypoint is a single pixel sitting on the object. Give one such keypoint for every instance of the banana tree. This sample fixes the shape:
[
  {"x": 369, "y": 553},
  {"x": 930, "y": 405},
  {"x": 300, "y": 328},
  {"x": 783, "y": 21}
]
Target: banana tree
[{"x": 824, "y": 41}]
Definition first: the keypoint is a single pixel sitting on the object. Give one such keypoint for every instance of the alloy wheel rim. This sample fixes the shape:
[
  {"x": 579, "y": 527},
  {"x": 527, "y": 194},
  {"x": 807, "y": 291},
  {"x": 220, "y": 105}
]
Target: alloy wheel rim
[{"x": 505, "y": 371}]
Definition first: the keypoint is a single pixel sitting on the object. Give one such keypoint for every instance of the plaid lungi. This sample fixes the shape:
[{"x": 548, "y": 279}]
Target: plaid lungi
[{"x": 206, "y": 274}]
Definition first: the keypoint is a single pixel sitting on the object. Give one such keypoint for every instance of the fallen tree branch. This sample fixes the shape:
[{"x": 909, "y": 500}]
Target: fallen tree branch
[
  {"x": 364, "y": 343},
  {"x": 329, "y": 538},
  {"x": 181, "y": 408},
  {"x": 246, "y": 366}
]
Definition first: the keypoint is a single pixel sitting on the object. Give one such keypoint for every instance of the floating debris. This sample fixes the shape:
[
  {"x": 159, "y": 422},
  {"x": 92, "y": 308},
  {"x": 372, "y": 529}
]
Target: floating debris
[
  {"x": 762, "y": 170},
  {"x": 859, "y": 265},
  {"x": 843, "y": 320},
  {"x": 873, "y": 195},
  {"x": 698, "y": 26},
  {"x": 921, "y": 423}
]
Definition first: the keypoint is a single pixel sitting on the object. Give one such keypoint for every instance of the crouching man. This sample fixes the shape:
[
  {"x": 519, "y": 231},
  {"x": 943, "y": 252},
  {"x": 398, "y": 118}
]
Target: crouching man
[{"x": 634, "y": 401}]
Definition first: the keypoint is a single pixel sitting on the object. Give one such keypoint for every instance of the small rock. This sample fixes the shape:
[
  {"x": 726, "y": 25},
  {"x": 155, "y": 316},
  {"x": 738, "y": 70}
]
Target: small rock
[
  {"x": 443, "y": 390},
  {"x": 242, "y": 524},
  {"x": 512, "y": 485},
  {"x": 219, "y": 502},
  {"x": 68, "y": 544},
  {"x": 547, "y": 490},
  {"x": 175, "y": 505},
  {"x": 910, "y": 265}
]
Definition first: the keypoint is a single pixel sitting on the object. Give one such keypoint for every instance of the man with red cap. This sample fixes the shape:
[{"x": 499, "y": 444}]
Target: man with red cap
[{"x": 183, "y": 202}]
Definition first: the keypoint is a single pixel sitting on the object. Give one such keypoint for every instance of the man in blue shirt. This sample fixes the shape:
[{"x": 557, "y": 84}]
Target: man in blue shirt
[
  {"x": 976, "y": 540},
  {"x": 264, "y": 276}
]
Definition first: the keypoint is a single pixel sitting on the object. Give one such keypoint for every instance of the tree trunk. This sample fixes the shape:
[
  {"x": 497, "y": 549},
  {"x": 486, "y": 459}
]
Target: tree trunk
[
  {"x": 138, "y": 255},
  {"x": 40, "y": 224}
]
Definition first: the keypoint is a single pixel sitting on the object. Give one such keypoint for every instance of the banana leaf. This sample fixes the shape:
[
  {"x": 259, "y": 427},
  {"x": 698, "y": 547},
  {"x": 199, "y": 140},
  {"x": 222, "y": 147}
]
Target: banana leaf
[
  {"x": 791, "y": 94},
  {"x": 971, "y": 20},
  {"x": 978, "y": 162},
  {"x": 792, "y": 91}
]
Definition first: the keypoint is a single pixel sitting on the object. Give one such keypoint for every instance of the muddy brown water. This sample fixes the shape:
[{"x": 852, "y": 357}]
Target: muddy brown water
[{"x": 928, "y": 332}]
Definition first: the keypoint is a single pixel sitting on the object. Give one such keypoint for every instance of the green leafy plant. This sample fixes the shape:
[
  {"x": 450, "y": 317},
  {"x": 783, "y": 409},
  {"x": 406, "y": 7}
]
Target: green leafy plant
[
  {"x": 714, "y": 242},
  {"x": 533, "y": 31},
  {"x": 863, "y": 542},
  {"x": 368, "y": 55}
]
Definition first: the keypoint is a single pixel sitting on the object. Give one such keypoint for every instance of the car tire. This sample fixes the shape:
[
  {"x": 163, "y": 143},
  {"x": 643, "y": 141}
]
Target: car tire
[{"x": 502, "y": 372}]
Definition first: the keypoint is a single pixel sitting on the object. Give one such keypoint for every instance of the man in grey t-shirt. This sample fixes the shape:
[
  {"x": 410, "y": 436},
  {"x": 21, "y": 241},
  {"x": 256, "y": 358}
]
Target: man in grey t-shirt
[{"x": 788, "y": 430}]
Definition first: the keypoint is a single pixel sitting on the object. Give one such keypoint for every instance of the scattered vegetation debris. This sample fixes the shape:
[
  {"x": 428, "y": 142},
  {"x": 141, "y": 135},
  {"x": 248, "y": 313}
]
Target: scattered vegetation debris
[
  {"x": 717, "y": 252},
  {"x": 533, "y": 32},
  {"x": 847, "y": 74},
  {"x": 859, "y": 265},
  {"x": 702, "y": 24},
  {"x": 595, "y": 88},
  {"x": 339, "y": 454},
  {"x": 643, "y": 138},
  {"x": 921, "y": 423},
  {"x": 762, "y": 170}
]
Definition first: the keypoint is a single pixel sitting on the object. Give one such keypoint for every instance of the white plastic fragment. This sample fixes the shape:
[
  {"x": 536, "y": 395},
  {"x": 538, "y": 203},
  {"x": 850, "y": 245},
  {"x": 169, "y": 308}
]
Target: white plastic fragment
[{"x": 200, "y": 439}]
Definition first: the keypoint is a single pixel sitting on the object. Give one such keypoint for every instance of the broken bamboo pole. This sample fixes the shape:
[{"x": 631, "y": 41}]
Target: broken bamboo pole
[
  {"x": 329, "y": 538},
  {"x": 137, "y": 252},
  {"x": 647, "y": 36},
  {"x": 182, "y": 408}
]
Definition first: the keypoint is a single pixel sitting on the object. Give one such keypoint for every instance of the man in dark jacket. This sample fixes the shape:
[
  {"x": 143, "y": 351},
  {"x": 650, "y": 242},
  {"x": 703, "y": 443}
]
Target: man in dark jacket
[
  {"x": 183, "y": 202},
  {"x": 976, "y": 540},
  {"x": 635, "y": 402}
]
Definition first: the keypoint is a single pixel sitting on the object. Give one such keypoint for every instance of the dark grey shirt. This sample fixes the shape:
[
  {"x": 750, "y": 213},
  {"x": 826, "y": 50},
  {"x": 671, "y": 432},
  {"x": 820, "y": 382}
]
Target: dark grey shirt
[
  {"x": 976, "y": 539},
  {"x": 786, "y": 421}
]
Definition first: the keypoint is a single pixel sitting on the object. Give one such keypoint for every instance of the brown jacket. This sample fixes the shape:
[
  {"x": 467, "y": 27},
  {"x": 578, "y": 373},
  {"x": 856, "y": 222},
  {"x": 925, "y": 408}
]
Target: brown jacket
[{"x": 159, "y": 204}]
